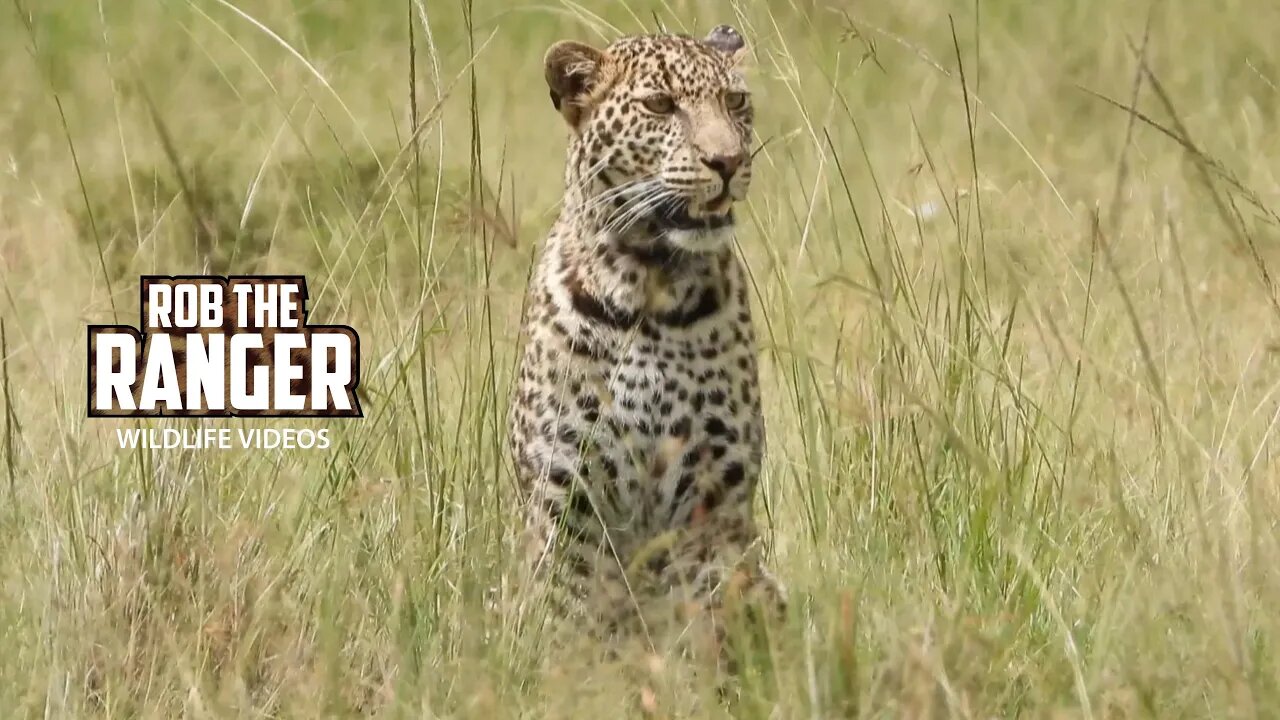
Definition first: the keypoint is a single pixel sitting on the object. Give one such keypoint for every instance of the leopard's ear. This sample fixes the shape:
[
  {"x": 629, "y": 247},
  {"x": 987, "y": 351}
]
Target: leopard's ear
[
  {"x": 572, "y": 70},
  {"x": 729, "y": 41}
]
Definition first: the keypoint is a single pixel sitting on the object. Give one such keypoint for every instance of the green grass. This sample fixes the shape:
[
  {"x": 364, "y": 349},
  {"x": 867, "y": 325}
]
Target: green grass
[{"x": 1022, "y": 445}]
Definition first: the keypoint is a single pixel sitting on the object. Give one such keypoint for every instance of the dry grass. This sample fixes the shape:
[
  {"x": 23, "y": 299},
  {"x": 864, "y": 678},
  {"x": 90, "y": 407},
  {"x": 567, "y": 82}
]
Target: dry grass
[{"x": 1019, "y": 348}]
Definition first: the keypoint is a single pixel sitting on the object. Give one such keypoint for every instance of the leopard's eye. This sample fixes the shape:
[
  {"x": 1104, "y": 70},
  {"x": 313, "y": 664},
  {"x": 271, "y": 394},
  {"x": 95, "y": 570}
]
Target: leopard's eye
[
  {"x": 659, "y": 104},
  {"x": 735, "y": 100}
]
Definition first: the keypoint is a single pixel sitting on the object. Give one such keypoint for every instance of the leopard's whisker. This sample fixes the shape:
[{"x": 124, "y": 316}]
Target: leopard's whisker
[
  {"x": 601, "y": 200},
  {"x": 635, "y": 194},
  {"x": 641, "y": 206}
]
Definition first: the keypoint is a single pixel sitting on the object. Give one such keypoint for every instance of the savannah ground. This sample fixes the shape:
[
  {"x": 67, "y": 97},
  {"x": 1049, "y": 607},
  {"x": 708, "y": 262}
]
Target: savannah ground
[{"x": 1019, "y": 350}]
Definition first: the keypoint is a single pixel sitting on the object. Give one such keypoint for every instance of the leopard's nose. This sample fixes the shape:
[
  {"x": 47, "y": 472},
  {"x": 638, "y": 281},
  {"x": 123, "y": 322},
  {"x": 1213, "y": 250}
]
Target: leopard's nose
[{"x": 725, "y": 165}]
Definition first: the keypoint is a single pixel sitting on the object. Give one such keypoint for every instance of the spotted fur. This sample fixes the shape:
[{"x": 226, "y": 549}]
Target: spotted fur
[{"x": 636, "y": 426}]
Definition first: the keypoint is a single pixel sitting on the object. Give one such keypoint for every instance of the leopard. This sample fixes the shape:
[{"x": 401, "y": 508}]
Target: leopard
[{"x": 636, "y": 427}]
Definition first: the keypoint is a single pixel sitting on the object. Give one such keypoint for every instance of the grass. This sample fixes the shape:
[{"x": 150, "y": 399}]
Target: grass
[{"x": 1019, "y": 348}]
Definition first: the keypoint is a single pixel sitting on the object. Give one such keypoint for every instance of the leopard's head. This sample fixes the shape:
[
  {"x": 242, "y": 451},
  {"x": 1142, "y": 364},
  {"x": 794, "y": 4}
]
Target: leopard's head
[{"x": 661, "y": 131}]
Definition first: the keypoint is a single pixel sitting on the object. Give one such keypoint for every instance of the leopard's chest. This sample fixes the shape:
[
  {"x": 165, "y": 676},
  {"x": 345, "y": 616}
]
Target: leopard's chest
[
  {"x": 653, "y": 406},
  {"x": 681, "y": 417},
  {"x": 662, "y": 379}
]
